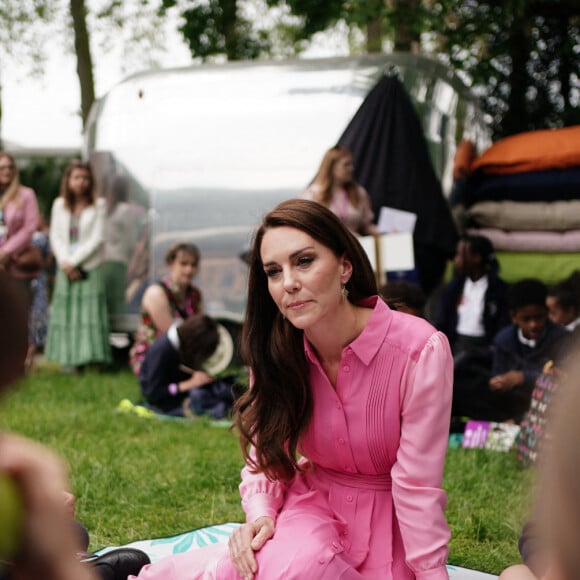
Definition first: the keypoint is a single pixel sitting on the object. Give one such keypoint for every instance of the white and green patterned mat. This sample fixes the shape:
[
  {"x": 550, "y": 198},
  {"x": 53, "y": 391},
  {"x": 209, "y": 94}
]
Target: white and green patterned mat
[{"x": 161, "y": 547}]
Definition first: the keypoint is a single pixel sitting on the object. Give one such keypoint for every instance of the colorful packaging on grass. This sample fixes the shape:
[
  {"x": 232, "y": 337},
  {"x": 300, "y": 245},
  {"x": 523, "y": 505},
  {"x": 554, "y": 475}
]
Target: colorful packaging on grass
[{"x": 490, "y": 435}]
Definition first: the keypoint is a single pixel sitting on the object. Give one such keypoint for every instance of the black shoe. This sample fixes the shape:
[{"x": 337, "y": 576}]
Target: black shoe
[{"x": 120, "y": 563}]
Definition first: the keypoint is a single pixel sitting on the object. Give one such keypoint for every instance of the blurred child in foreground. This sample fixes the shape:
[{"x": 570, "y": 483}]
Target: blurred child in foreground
[
  {"x": 49, "y": 544},
  {"x": 52, "y": 544},
  {"x": 550, "y": 539}
]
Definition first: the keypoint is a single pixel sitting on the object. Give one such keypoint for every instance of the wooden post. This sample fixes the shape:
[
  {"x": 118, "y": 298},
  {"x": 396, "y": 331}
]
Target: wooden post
[{"x": 380, "y": 274}]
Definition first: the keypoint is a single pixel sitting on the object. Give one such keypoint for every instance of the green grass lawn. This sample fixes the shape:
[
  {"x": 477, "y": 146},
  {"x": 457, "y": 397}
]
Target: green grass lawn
[{"x": 139, "y": 478}]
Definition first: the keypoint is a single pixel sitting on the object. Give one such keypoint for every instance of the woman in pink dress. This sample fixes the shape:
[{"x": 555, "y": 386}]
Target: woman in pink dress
[
  {"x": 336, "y": 188},
  {"x": 344, "y": 430}
]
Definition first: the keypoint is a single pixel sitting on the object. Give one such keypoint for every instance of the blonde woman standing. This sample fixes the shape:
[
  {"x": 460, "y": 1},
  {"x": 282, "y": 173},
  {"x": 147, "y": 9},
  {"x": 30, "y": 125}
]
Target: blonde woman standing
[
  {"x": 18, "y": 220},
  {"x": 78, "y": 330},
  {"x": 336, "y": 188}
]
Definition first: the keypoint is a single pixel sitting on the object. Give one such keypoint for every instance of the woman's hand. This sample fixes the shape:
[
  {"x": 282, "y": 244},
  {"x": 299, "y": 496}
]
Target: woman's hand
[
  {"x": 74, "y": 275},
  {"x": 71, "y": 272},
  {"x": 246, "y": 540}
]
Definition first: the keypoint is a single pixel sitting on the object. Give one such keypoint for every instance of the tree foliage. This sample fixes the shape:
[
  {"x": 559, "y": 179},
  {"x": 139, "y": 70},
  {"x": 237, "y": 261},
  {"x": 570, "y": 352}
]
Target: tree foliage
[
  {"x": 399, "y": 20},
  {"x": 521, "y": 56},
  {"x": 81, "y": 27},
  {"x": 19, "y": 37},
  {"x": 216, "y": 27}
]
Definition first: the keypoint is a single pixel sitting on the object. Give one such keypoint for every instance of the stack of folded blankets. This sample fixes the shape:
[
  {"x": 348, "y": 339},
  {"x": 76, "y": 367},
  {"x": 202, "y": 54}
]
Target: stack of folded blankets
[{"x": 523, "y": 193}]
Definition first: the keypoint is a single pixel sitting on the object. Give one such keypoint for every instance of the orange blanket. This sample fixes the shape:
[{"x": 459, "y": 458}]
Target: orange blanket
[{"x": 532, "y": 151}]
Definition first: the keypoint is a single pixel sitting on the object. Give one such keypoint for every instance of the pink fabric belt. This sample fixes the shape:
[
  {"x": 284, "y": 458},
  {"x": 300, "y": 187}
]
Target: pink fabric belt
[{"x": 377, "y": 481}]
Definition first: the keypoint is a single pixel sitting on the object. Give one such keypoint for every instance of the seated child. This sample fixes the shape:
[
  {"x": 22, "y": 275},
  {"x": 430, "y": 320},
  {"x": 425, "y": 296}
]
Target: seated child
[
  {"x": 474, "y": 305},
  {"x": 172, "y": 377},
  {"x": 563, "y": 302},
  {"x": 473, "y": 308},
  {"x": 548, "y": 544},
  {"x": 521, "y": 350}
]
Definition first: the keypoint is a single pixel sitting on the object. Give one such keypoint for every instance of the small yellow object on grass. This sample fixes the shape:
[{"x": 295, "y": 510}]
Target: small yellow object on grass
[{"x": 126, "y": 406}]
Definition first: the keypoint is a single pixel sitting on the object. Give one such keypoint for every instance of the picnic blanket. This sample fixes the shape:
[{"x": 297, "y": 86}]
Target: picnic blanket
[{"x": 219, "y": 534}]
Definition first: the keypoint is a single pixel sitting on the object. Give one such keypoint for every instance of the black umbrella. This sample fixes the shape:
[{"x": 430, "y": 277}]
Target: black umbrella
[{"x": 392, "y": 162}]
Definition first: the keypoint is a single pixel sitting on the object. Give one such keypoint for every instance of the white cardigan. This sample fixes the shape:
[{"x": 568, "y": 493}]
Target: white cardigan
[{"x": 89, "y": 251}]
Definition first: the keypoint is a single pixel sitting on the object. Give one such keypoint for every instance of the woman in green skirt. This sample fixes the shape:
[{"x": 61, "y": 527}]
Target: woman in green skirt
[{"x": 78, "y": 330}]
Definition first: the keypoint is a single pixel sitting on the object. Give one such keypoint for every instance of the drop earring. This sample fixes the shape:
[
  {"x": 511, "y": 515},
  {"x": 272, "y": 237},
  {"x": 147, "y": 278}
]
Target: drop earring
[{"x": 344, "y": 293}]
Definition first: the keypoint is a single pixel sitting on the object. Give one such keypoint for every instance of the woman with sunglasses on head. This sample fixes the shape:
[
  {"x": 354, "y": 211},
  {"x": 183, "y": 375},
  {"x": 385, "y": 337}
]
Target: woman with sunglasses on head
[{"x": 19, "y": 217}]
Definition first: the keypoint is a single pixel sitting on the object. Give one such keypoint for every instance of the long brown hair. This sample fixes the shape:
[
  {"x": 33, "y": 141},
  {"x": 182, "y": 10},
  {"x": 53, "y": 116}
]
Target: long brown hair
[
  {"x": 66, "y": 194},
  {"x": 11, "y": 192},
  {"x": 276, "y": 410},
  {"x": 323, "y": 179}
]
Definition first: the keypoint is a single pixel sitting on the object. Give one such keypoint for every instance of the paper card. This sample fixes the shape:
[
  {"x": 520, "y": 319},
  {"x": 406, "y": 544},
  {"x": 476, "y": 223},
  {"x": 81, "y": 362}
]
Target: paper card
[
  {"x": 368, "y": 244},
  {"x": 393, "y": 220},
  {"x": 396, "y": 252}
]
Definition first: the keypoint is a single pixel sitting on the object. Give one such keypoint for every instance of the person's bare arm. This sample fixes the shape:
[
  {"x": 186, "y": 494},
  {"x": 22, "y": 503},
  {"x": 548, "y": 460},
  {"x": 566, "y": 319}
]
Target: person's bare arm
[
  {"x": 506, "y": 381},
  {"x": 155, "y": 302}
]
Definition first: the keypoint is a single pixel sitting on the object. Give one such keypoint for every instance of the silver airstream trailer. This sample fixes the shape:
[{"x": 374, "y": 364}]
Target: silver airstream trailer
[{"x": 209, "y": 149}]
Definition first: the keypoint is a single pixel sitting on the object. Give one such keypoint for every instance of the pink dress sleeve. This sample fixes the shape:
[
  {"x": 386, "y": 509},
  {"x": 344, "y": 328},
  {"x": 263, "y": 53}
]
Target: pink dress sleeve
[
  {"x": 418, "y": 470},
  {"x": 260, "y": 496}
]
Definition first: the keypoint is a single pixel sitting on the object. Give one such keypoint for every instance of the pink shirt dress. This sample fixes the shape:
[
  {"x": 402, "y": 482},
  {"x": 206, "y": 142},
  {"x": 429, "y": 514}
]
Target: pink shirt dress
[{"x": 371, "y": 506}]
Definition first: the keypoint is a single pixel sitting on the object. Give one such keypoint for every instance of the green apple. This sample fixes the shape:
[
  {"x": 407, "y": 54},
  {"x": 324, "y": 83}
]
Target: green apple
[{"x": 11, "y": 512}]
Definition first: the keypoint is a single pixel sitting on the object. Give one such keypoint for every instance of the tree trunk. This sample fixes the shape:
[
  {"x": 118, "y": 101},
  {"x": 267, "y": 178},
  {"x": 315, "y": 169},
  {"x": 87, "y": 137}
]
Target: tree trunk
[
  {"x": 230, "y": 32},
  {"x": 83, "y": 52},
  {"x": 565, "y": 71},
  {"x": 515, "y": 117},
  {"x": 374, "y": 35},
  {"x": 407, "y": 38}
]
